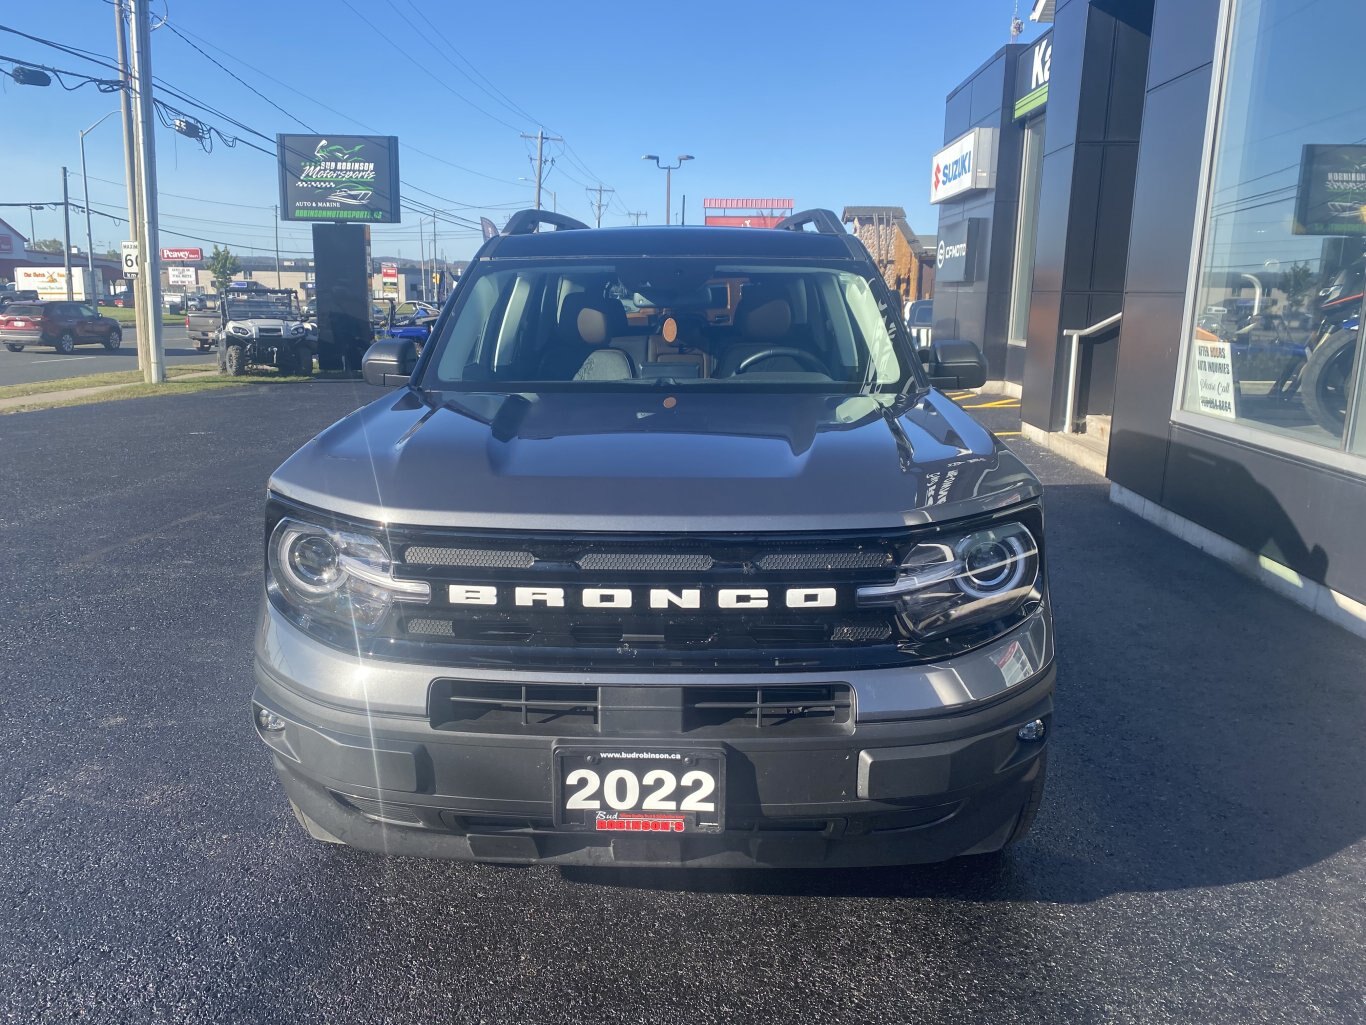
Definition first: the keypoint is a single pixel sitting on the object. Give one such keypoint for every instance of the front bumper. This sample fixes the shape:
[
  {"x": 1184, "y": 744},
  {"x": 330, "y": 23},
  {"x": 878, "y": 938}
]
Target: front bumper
[{"x": 361, "y": 759}]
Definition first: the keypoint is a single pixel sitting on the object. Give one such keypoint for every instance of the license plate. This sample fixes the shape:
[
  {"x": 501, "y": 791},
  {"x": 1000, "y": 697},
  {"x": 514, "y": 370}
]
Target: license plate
[
  {"x": 644, "y": 789},
  {"x": 19, "y": 323}
]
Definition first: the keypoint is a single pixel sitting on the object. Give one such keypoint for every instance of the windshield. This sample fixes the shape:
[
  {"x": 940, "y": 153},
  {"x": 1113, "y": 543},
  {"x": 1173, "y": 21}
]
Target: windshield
[
  {"x": 255, "y": 306},
  {"x": 670, "y": 322}
]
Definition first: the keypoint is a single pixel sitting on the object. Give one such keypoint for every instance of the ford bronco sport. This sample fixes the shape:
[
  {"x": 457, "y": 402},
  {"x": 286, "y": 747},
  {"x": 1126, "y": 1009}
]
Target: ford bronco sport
[{"x": 713, "y": 584}]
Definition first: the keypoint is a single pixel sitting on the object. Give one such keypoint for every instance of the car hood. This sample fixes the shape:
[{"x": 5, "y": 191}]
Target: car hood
[{"x": 633, "y": 462}]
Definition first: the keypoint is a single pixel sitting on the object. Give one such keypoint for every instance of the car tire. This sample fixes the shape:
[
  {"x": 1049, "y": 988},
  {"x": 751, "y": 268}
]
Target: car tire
[
  {"x": 14, "y": 347},
  {"x": 235, "y": 361},
  {"x": 113, "y": 340},
  {"x": 1326, "y": 380},
  {"x": 314, "y": 830},
  {"x": 66, "y": 344},
  {"x": 203, "y": 346}
]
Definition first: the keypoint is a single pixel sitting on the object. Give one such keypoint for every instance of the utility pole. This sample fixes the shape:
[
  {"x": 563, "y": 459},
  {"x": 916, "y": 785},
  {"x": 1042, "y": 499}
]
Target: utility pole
[
  {"x": 130, "y": 173},
  {"x": 636, "y": 215},
  {"x": 436, "y": 278},
  {"x": 275, "y": 210},
  {"x": 683, "y": 214},
  {"x": 66, "y": 237},
  {"x": 422, "y": 257},
  {"x": 541, "y": 139},
  {"x": 599, "y": 206},
  {"x": 149, "y": 295}
]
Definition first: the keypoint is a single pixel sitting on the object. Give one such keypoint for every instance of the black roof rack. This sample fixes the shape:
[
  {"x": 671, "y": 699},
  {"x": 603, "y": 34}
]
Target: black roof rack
[
  {"x": 527, "y": 222},
  {"x": 825, "y": 221}
]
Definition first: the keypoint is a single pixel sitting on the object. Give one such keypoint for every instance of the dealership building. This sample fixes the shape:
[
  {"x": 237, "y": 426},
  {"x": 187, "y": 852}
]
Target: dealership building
[{"x": 1151, "y": 218}]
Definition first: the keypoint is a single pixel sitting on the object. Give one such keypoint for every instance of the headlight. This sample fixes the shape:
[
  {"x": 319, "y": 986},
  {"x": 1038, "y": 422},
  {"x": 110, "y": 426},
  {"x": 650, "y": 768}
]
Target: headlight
[
  {"x": 336, "y": 575},
  {"x": 961, "y": 581},
  {"x": 239, "y": 330}
]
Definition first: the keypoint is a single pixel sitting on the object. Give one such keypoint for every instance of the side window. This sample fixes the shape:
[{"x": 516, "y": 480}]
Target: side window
[
  {"x": 86, "y": 311},
  {"x": 467, "y": 328}
]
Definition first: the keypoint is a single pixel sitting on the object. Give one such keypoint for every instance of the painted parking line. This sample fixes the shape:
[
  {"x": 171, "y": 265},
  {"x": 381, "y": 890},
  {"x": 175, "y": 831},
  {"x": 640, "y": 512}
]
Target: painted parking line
[
  {"x": 1008, "y": 434},
  {"x": 61, "y": 359},
  {"x": 998, "y": 404}
]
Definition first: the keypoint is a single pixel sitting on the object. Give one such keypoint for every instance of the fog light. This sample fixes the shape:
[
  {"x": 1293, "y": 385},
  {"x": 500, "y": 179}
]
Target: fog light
[
  {"x": 1032, "y": 731},
  {"x": 269, "y": 721}
]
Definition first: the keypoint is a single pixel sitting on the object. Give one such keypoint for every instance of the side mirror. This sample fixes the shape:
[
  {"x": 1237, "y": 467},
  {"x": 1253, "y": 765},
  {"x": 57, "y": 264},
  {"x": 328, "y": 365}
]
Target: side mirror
[
  {"x": 956, "y": 363},
  {"x": 389, "y": 363}
]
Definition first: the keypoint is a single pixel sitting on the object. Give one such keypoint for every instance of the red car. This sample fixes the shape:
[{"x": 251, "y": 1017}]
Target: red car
[{"x": 62, "y": 325}]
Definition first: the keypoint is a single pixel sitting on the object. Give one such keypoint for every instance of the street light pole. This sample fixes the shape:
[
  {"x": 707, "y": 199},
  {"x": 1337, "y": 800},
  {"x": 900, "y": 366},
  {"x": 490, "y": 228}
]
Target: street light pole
[
  {"x": 668, "y": 170},
  {"x": 89, "y": 242}
]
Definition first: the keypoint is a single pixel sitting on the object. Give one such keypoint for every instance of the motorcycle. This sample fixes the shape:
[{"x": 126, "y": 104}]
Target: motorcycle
[{"x": 1322, "y": 374}]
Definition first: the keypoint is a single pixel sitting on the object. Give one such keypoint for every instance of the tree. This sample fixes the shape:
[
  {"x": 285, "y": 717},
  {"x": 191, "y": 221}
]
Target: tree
[
  {"x": 1296, "y": 284},
  {"x": 222, "y": 265},
  {"x": 47, "y": 245}
]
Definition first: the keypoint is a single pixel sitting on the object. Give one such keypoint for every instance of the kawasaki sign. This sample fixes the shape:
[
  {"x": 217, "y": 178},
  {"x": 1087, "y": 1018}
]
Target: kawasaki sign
[
  {"x": 1032, "y": 73},
  {"x": 965, "y": 165},
  {"x": 339, "y": 178}
]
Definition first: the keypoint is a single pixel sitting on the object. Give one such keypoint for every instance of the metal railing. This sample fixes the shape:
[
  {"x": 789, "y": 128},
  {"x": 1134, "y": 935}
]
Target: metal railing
[{"x": 1074, "y": 358}]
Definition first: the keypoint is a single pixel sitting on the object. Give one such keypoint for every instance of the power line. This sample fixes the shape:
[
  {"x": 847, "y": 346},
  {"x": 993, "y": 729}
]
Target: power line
[
  {"x": 418, "y": 64},
  {"x": 233, "y": 75}
]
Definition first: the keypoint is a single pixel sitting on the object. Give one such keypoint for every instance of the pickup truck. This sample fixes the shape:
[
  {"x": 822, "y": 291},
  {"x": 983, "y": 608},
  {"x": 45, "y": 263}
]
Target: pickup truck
[{"x": 203, "y": 326}]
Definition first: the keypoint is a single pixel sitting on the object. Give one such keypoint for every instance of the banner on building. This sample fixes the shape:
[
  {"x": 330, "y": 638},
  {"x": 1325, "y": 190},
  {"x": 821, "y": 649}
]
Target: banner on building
[
  {"x": 1332, "y": 192},
  {"x": 339, "y": 178},
  {"x": 746, "y": 213}
]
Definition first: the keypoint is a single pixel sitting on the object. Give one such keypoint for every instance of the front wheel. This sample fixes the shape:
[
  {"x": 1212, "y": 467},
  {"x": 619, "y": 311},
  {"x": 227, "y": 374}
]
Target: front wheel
[
  {"x": 1326, "y": 380},
  {"x": 66, "y": 344},
  {"x": 113, "y": 340},
  {"x": 235, "y": 361},
  {"x": 14, "y": 346}
]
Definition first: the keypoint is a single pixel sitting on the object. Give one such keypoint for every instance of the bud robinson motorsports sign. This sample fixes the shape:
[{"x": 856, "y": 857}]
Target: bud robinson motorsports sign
[
  {"x": 339, "y": 178},
  {"x": 1332, "y": 193}
]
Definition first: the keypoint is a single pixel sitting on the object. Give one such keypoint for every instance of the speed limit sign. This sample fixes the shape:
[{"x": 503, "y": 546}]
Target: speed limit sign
[{"x": 130, "y": 258}]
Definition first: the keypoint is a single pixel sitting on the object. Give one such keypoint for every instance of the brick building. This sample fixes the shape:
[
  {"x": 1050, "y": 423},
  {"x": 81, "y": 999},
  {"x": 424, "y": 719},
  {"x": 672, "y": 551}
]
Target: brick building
[{"x": 906, "y": 259}]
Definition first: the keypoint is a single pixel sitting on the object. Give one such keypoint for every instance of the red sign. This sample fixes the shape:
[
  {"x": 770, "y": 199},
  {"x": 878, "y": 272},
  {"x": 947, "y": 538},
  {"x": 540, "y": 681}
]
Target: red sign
[
  {"x": 182, "y": 254},
  {"x": 747, "y": 204},
  {"x": 742, "y": 221}
]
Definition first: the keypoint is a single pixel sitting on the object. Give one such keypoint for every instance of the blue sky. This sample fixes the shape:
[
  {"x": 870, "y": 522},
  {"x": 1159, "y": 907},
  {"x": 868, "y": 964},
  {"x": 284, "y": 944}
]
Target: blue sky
[{"x": 829, "y": 104}]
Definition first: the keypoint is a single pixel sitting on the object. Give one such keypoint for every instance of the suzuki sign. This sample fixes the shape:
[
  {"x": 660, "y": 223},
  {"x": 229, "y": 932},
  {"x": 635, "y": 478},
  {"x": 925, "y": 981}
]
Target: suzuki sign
[{"x": 968, "y": 164}]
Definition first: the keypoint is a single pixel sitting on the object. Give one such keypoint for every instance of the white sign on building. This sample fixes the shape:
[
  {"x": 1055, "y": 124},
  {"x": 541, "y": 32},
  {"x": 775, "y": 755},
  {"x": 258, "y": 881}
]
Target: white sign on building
[{"x": 968, "y": 164}]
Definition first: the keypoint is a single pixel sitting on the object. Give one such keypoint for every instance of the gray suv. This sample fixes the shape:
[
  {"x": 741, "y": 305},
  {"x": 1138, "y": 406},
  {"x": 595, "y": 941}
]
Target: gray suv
[{"x": 666, "y": 551}]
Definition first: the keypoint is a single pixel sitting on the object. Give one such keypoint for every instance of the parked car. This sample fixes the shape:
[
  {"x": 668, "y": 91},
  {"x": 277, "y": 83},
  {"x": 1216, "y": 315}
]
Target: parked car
[
  {"x": 739, "y": 594},
  {"x": 203, "y": 327},
  {"x": 16, "y": 295},
  {"x": 920, "y": 322},
  {"x": 62, "y": 325}
]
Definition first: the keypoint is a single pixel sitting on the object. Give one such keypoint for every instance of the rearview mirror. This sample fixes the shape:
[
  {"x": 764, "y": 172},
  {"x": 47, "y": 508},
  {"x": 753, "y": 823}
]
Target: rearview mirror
[
  {"x": 389, "y": 363},
  {"x": 956, "y": 363}
]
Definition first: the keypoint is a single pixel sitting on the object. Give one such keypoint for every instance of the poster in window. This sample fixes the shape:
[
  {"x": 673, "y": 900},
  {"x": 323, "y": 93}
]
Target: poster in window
[{"x": 1332, "y": 192}]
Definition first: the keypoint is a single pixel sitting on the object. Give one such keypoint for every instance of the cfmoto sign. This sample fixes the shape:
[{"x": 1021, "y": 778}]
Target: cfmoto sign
[{"x": 965, "y": 165}]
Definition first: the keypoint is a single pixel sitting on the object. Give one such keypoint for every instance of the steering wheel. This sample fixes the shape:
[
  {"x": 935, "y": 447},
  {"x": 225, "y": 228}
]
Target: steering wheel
[{"x": 811, "y": 361}]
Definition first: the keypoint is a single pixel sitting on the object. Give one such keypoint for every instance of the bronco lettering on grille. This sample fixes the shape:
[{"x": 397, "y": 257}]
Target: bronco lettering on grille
[{"x": 730, "y": 598}]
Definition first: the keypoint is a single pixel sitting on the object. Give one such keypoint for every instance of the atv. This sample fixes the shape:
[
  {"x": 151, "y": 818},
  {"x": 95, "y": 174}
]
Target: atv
[{"x": 263, "y": 328}]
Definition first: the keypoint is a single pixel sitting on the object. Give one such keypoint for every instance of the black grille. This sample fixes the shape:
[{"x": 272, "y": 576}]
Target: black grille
[
  {"x": 710, "y": 708},
  {"x": 492, "y": 558},
  {"x": 646, "y": 602},
  {"x": 647, "y": 562},
  {"x": 476, "y": 706}
]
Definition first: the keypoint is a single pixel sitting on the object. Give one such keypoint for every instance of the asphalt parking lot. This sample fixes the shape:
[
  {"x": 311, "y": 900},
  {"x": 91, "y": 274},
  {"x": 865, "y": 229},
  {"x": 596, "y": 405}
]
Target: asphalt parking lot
[{"x": 1199, "y": 856}]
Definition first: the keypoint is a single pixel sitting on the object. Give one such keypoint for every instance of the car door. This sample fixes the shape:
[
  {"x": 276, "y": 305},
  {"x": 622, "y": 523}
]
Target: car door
[{"x": 88, "y": 326}]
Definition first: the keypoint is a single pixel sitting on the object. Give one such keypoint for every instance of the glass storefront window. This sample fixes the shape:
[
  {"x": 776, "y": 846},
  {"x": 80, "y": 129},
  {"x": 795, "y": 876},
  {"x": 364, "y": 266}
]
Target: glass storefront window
[
  {"x": 1278, "y": 297},
  {"x": 1031, "y": 167}
]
